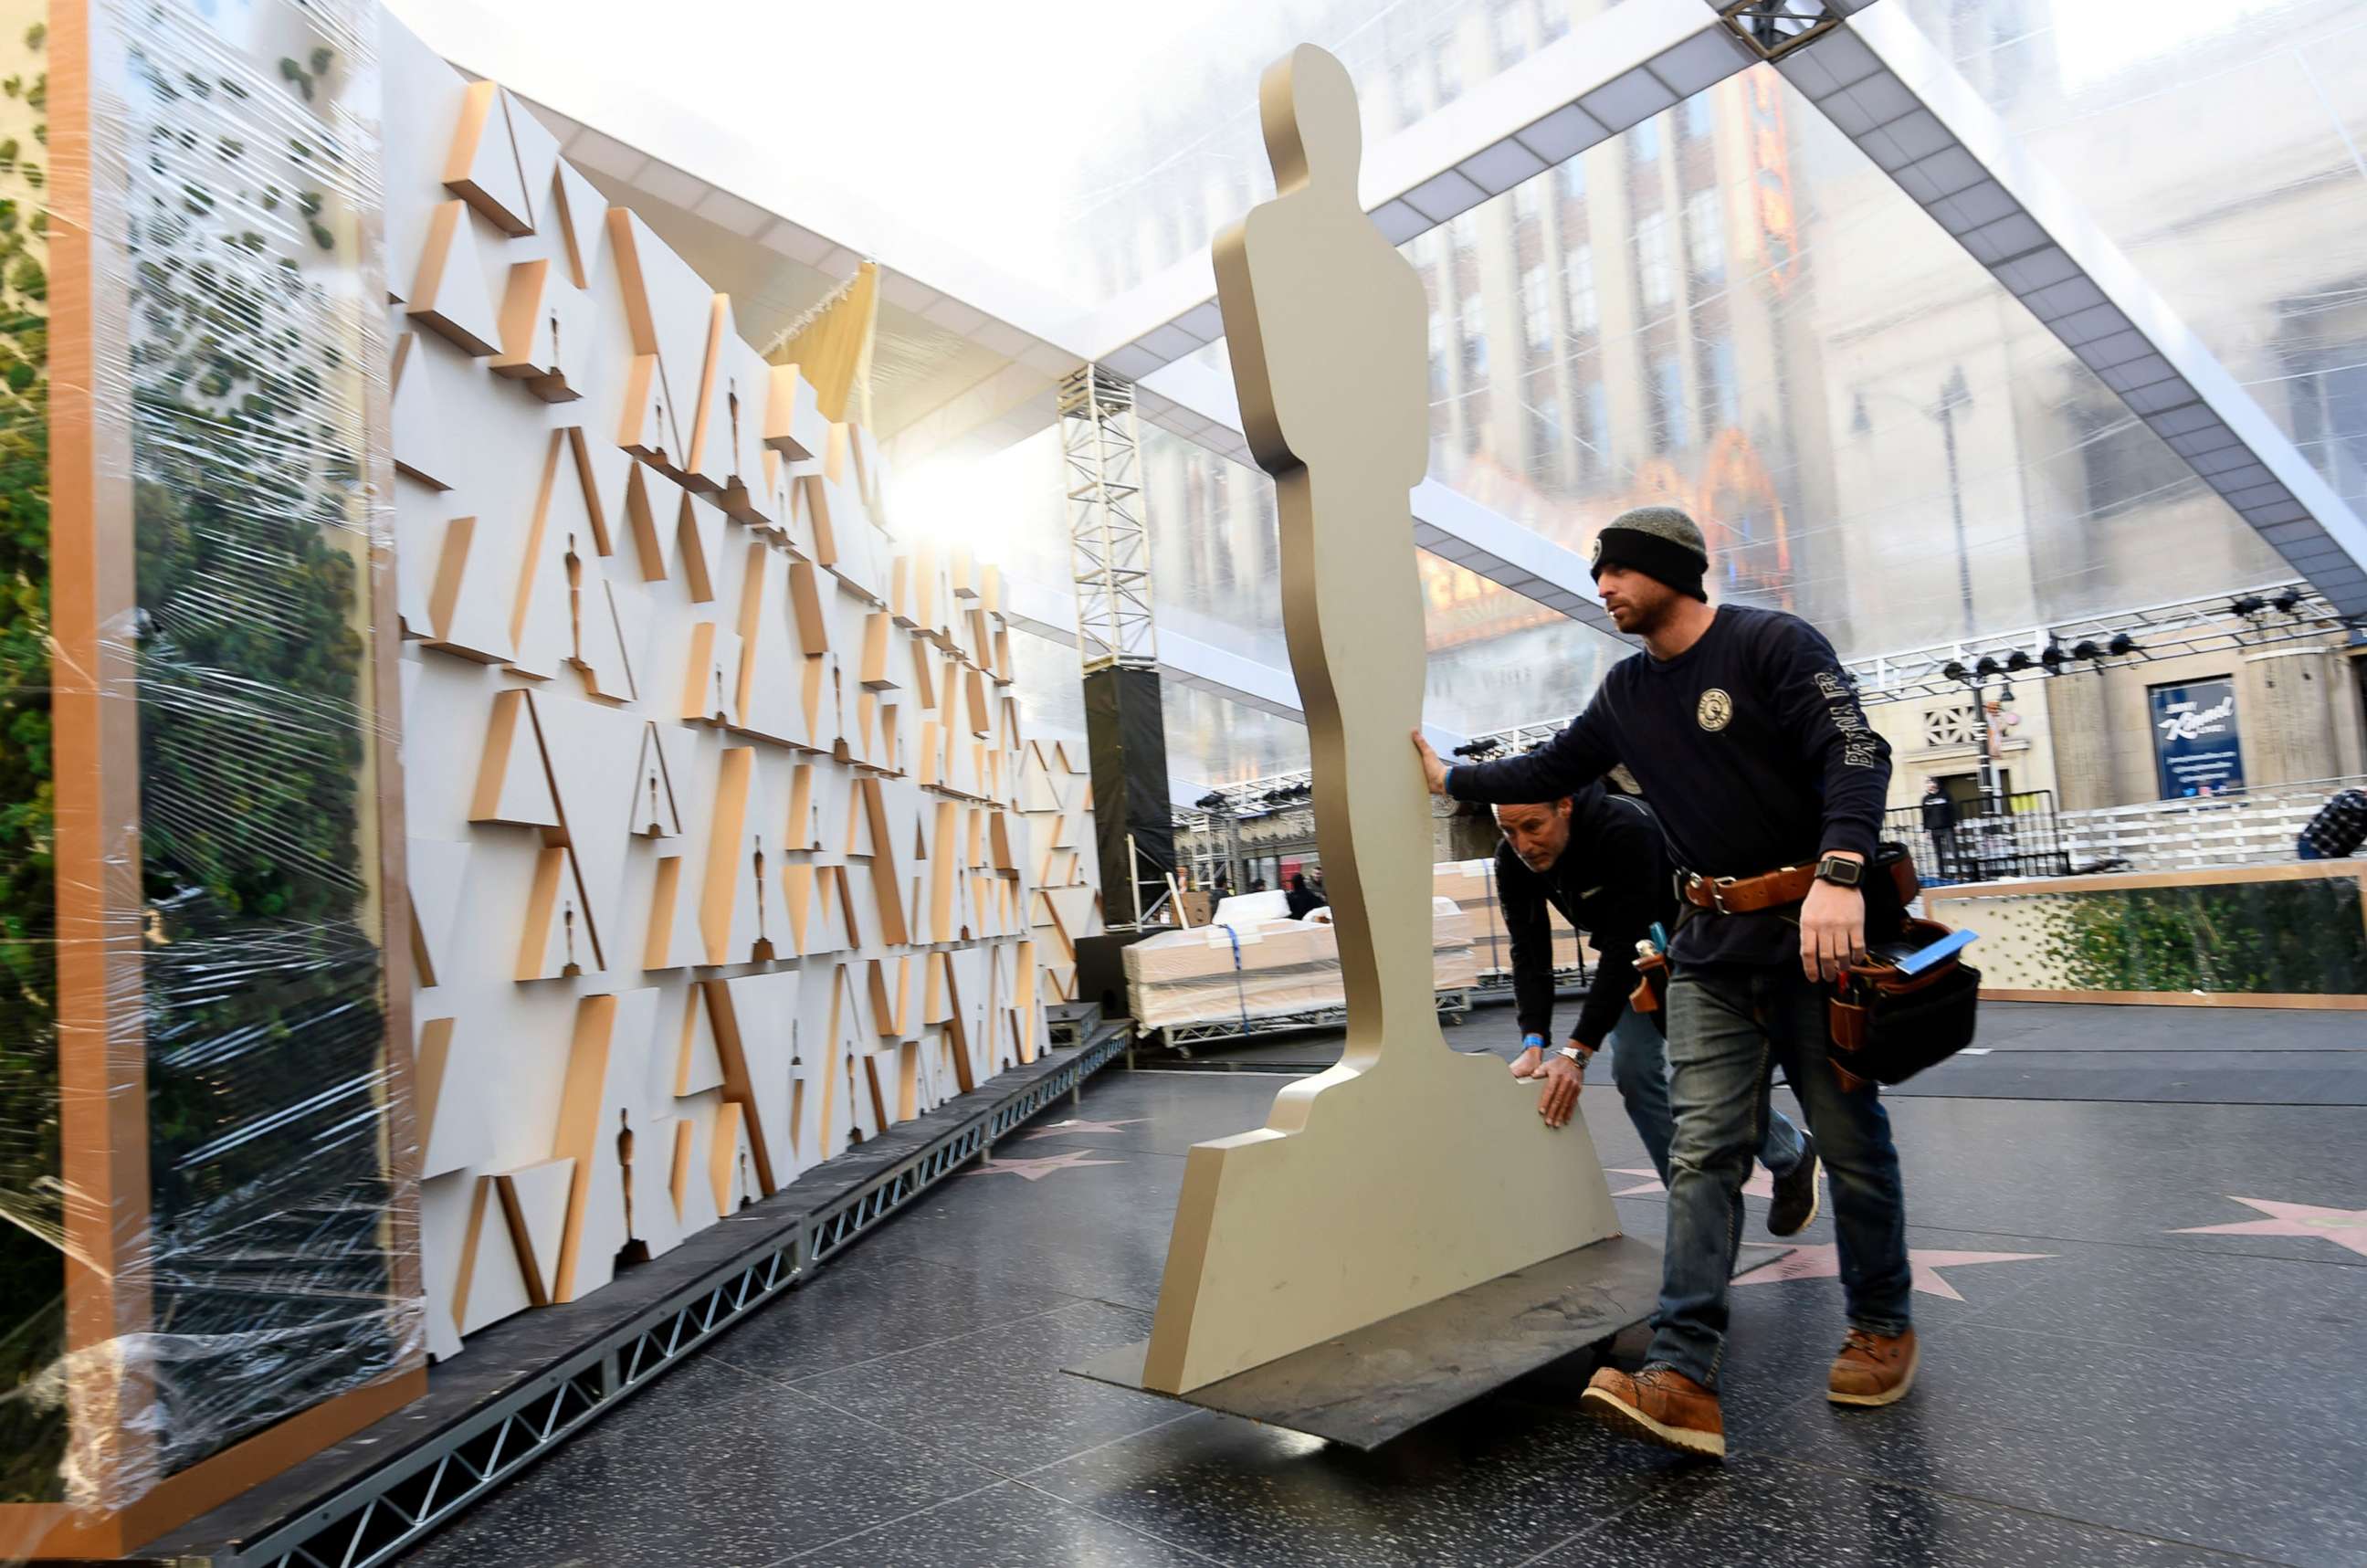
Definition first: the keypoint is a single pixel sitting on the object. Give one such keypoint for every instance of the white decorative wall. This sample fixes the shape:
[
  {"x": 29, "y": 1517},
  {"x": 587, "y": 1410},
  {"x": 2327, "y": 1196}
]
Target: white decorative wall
[
  {"x": 716, "y": 857},
  {"x": 1056, "y": 796}
]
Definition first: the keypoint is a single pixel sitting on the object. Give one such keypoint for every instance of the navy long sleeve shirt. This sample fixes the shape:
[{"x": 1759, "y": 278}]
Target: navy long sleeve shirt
[
  {"x": 1751, "y": 747},
  {"x": 1611, "y": 883}
]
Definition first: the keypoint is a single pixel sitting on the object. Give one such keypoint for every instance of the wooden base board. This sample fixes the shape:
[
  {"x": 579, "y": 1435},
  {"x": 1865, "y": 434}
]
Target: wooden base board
[
  {"x": 2187, "y": 999},
  {"x": 50, "y": 1532},
  {"x": 2129, "y": 881},
  {"x": 1379, "y": 1382}
]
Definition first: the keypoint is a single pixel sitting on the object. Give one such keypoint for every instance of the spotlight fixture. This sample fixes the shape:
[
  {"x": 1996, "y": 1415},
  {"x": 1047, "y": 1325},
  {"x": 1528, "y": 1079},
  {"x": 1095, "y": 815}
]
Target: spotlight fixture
[
  {"x": 2287, "y": 601},
  {"x": 2122, "y": 644},
  {"x": 1955, "y": 670},
  {"x": 2087, "y": 649},
  {"x": 2052, "y": 657},
  {"x": 2249, "y": 606},
  {"x": 1986, "y": 668},
  {"x": 2016, "y": 660}
]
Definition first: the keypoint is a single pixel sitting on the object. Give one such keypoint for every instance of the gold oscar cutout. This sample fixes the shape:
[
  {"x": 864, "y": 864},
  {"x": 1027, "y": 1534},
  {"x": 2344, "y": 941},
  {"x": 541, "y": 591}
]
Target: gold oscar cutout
[{"x": 1409, "y": 1171}]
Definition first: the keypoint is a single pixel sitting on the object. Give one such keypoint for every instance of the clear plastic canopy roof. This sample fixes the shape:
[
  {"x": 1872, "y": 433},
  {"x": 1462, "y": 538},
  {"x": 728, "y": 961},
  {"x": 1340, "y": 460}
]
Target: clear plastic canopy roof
[
  {"x": 1078, "y": 145},
  {"x": 1728, "y": 305}
]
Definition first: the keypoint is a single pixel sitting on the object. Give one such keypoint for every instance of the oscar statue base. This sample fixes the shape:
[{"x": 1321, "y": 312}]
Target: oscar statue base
[{"x": 1381, "y": 1382}]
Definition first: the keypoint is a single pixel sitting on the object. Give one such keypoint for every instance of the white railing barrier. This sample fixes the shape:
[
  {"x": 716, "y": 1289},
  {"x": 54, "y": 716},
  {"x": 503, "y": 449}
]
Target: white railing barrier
[{"x": 2253, "y": 828}]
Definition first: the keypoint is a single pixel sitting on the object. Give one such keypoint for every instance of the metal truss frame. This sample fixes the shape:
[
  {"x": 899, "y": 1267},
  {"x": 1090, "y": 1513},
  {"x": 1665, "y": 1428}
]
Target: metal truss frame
[
  {"x": 388, "y": 1510},
  {"x": 2157, "y": 632},
  {"x": 1109, "y": 546}
]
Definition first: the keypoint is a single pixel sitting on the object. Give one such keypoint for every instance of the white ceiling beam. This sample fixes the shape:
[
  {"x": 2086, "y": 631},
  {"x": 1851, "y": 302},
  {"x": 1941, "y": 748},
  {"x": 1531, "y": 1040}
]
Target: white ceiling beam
[
  {"x": 1199, "y": 404},
  {"x": 1051, "y": 613},
  {"x": 1184, "y": 660},
  {"x": 1635, "y": 59},
  {"x": 1906, "y": 106}
]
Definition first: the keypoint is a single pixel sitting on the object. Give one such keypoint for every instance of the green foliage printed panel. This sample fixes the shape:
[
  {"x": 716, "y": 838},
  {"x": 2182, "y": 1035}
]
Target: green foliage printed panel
[
  {"x": 253, "y": 335},
  {"x": 2260, "y": 939},
  {"x": 32, "y": 1277}
]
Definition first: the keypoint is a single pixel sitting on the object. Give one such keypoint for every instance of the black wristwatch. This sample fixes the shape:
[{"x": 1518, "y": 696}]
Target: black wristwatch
[{"x": 1842, "y": 871}]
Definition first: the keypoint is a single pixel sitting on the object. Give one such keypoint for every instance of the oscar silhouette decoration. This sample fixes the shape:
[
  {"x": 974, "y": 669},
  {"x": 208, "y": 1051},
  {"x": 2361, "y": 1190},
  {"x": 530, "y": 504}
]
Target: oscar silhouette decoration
[{"x": 1409, "y": 1171}]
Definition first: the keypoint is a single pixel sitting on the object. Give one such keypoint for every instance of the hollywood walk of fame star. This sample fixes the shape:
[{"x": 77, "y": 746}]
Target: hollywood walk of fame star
[
  {"x": 1761, "y": 1184},
  {"x": 1036, "y": 1170},
  {"x": 1825, "y": 1263},
  {"x": 2343, "y": 1227},
  {"x": 1077, "y": 1126}
]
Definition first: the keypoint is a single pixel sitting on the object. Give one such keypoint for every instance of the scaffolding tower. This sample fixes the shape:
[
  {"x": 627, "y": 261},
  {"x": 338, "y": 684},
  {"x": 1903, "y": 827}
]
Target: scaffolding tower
[
  {"x": 1109, "y": 547},
  {"x": 1125, "y": 726}
]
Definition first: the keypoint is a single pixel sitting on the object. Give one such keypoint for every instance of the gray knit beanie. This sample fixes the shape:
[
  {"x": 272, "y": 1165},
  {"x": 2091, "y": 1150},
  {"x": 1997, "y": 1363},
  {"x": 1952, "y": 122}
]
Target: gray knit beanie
[{"x": 1660, "y": 542}]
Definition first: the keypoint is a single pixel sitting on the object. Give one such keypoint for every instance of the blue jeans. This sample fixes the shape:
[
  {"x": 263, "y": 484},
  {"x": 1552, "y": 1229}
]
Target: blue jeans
[
  {"x": 1639, "y": 1066},
  {"x": 1727, "y": 1025}
]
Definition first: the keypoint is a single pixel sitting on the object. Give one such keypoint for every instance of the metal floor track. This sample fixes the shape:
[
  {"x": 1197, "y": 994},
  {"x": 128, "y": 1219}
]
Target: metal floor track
[{"x": 528, "y": 1384}]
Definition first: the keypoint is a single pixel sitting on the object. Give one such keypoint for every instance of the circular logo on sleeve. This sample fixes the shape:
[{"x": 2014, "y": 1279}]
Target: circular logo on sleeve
[{"x": 1715, "y": 710}]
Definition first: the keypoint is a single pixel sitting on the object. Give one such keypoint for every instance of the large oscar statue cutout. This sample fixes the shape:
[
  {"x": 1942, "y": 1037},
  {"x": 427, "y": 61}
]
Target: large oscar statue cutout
[{"x": 1409, "y": 1172}]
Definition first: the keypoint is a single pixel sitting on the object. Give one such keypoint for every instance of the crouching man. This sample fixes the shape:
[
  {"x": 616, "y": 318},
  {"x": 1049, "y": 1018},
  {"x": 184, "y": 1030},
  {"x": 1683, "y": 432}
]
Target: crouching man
[{"x": 1599, "y": 859}]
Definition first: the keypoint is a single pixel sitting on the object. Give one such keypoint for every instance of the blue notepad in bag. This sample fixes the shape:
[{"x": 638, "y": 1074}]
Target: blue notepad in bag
[{"x": 1922, "y": 958}]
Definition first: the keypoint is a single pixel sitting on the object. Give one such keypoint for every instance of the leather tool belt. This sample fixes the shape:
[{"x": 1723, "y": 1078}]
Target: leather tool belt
[
  {"x": 1890, "y": 885},
  {"x": 1886, "y": 1026},
  {"x": 1748, "y": 895}
]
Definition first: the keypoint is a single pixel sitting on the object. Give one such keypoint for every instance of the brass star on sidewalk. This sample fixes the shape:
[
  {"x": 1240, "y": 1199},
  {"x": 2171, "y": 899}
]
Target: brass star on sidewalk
[
  {"x": 1825, "y": 1263},
  {"x": 1075, "y": 1126},
  {"x": 2343, "y": 1227},
  {"x": 1036, "y": 1170}
]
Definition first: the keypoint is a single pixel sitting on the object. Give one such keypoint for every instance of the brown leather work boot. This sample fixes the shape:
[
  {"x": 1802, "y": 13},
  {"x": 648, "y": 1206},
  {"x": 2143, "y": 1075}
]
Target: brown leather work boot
[
  {"x": 1660, "y": 1405},
  {"x": 1873, "y": 1369}
]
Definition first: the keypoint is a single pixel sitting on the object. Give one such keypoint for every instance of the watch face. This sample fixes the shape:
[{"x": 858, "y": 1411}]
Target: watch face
[{"x": 1846, "y": 873}]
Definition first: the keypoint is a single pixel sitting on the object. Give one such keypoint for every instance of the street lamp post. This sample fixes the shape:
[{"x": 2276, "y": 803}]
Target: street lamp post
[{"x": 1955, "y": 396}]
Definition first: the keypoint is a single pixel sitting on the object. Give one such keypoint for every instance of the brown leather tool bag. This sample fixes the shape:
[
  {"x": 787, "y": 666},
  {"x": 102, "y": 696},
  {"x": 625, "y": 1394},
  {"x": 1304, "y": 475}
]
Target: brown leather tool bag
[
  {"x": 1651, "y": 993},
  {"x": 1886, "y": 1025}
]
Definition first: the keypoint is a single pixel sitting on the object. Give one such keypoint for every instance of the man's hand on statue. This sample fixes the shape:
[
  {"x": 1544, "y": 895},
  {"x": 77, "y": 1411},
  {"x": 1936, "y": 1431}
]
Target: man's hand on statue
[
  {"x": 1431, "y": 768},
  {"x": 1529, "y": 1062},
  {"x": 1563, "y": 1081},
  {"x": 1833, "y": 930}
]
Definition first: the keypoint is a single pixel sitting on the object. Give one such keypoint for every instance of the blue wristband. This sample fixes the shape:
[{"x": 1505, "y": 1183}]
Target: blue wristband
[
  {"x": 1533, "y": 1041},
  {"x": 1446, "y": 785}
]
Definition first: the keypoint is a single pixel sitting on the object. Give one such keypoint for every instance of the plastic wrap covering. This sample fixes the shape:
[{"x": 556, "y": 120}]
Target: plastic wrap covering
[
  {"x": 202, "y": 1129},
  {"x": 32, "y": 1240},
  {"x": 1255, "y": 970}
]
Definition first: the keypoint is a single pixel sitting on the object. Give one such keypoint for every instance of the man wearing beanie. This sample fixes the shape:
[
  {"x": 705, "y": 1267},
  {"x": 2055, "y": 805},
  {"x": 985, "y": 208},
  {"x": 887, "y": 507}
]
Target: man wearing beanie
[{"x": 1770, "y": 784}]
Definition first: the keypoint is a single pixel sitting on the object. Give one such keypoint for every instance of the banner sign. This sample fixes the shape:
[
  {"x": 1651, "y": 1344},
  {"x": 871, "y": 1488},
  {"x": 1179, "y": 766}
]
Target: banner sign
[{"x": 2195, "y": 742}]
